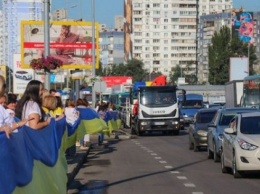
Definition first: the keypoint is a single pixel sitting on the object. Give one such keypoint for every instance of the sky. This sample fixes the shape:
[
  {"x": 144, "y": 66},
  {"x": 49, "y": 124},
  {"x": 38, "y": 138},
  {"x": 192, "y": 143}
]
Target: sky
[{"x": 105, "y": 10}]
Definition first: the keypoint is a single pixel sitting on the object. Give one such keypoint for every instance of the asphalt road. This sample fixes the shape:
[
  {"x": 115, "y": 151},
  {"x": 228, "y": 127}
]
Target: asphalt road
[{"x": 156, "y": 164}]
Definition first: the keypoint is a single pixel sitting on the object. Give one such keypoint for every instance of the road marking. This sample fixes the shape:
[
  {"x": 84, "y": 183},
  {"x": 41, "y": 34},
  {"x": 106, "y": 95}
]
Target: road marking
[
  {"x": 153, "y": 154},
  {"x": 175, "y": 172},
  {"x": 197, "y": 193},
  {"x": 168, "y": 167},
  {"x": 149, "y": 151},
  {"x": 157, "y": 158},
  {"x": 182, "y": 177},
  {"x": 163, "y": 162},
  {"x": 189, "y": 185}
]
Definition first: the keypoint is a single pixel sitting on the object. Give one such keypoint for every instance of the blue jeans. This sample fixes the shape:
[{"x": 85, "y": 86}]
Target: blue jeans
[{"x": 100, "y": 138}]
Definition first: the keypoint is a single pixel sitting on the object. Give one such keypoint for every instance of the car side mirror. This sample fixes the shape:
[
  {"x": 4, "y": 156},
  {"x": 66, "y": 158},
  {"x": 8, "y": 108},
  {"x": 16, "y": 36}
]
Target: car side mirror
[{"x": 229, "y": 131}]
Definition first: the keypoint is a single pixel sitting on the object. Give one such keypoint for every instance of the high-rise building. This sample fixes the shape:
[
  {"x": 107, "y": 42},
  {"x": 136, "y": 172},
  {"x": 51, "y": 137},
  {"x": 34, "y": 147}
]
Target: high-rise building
[
  {"x": 162, "y": 33},
  {"x": 59, "y": 14},
  {"x": 119, "y": 22},
  {"x": 14, "y": 11}
]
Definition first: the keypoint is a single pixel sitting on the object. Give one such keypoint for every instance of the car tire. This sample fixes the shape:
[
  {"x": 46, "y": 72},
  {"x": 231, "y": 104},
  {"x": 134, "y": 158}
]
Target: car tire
[
  {"x": 224, "y": 169},
  {"x": 210, "y": 153},
  {"x": 235, "y": 172},
  {"x": 216, "y": 157}
]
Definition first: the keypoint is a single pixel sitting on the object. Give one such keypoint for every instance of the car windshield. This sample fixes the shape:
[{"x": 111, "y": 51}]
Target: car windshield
[
  {"x": 250, "y": 125},
  {"x": 225, "y": 119},
  {"x": 205, "y": 117}
]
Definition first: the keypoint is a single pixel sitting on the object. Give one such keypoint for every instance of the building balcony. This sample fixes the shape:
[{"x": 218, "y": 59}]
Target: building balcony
[{"x": 110, "y": 47}]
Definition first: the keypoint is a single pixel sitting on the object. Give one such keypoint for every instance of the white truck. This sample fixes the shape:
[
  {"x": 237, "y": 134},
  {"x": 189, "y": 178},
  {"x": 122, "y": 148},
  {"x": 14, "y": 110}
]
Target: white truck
[
  {"x": 234, "y": 93},
  {"x": 158, "y": 110}
]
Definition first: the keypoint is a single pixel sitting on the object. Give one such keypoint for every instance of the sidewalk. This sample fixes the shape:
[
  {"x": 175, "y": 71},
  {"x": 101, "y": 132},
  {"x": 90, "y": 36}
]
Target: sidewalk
[{"x": 75, "y": 162}]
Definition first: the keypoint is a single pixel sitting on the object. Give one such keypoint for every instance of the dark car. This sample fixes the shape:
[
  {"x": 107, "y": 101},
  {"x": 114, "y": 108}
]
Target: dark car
[
  {"x": 198, "y": 129},
  {"x": 217, "y": 126}
]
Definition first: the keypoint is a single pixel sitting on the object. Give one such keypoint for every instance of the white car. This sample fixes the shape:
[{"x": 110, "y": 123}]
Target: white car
[
  {"x": 241, "y": 144},
  {"x": 23, "y": 75}
]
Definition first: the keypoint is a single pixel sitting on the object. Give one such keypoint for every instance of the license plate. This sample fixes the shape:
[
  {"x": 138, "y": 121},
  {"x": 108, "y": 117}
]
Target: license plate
[{"x": 158, "y": 123}]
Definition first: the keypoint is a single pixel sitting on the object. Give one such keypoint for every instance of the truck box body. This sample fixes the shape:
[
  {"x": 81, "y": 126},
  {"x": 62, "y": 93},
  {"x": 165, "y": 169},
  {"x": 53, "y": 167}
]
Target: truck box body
[{"x": 233, "y": 93}]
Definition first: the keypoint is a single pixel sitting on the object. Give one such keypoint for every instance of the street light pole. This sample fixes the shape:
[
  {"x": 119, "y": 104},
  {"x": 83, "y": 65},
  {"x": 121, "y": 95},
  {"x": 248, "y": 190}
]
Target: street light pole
[
  {"x": 93, "y": 51},
  {"x": 47, "y": 39}
]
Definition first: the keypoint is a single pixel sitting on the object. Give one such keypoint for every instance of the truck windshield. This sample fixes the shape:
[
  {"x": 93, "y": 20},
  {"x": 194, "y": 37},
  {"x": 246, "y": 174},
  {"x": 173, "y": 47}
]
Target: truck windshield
[
  {"x": 252, "y": 97},
  {"x": 157, "y": 97}
]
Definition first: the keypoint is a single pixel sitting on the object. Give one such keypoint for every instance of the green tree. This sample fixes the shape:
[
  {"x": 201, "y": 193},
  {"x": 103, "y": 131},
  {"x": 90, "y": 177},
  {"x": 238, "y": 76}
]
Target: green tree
[
  {"x": 175, "y": 73},
  {"x": 218, "y": 55},
  {"x": 221, "y": 49}
]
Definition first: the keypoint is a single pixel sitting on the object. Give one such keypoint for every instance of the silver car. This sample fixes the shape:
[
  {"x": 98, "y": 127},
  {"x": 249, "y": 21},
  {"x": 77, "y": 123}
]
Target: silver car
[
  {"x": 241, "y": 144},
  {"x": 216, "y": 128}
]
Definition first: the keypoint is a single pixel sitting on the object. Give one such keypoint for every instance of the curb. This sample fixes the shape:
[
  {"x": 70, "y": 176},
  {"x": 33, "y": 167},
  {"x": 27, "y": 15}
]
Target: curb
[{"x": 75, "y": 164}]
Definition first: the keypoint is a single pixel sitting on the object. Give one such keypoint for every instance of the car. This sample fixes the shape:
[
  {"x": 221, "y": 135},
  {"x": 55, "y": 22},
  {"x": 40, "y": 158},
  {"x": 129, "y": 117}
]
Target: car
[
  {"x": 240, "y": 149},
  {"x": 216, "y": 128},
  {"x": 198, "y": 128},
  {"x": 23, "y": 75}
]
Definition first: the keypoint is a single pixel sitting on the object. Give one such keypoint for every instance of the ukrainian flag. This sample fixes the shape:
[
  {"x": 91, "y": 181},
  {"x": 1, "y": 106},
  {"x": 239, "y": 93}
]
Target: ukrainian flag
[{"x": 32, "y": 161}]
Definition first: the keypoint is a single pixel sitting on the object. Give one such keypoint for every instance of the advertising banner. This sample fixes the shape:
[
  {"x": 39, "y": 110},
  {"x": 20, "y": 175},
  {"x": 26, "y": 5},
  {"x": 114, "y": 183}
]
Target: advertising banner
[
  {"x": 21, "y": 77},
  {"x": 238, "y": 68},
  {"x": 243, "y": 26},
  {"x": 117, "y": 80},
  {"x": 70, "y": 42}
]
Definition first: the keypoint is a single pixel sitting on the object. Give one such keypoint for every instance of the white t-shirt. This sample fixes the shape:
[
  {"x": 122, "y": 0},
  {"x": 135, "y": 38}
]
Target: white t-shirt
[
  {"x": 30, "y": 107},
  {"x": 71, "y": 115},
  {"x": 5, "y": 117}
]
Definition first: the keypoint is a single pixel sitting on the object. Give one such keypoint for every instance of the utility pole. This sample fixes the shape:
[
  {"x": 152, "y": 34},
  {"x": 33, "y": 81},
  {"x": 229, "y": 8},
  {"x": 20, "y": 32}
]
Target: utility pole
[
  {"x": 93, "y": 52},
  {"x": 47, "y": 39}
]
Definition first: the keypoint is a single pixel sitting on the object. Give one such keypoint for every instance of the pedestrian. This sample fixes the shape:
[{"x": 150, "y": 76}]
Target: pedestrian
[
  {"x": 59, "y": 108},
  {"x": 11, "y": 104},
  {"x": 49, "y": 104},
  {"x": 71, "y": 112},
  {"x": 85, "y": 141},
  {"x": 52, "y": 92},
  {"x": 7, "y": 122},
  {"x": 29, "y": 106},
  {"x": 102, "y": 114}
]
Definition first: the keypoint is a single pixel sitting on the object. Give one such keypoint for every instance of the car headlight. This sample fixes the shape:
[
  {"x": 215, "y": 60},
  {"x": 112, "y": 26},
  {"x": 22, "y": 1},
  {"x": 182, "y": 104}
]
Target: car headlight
[
  {"x": 202, "y": 133},
  {"x": 245, "y": 145},
  {"x": 220, "y": 137}
]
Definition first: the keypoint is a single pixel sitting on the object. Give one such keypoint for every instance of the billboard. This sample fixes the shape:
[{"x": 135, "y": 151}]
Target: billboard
[
  {"x": 243, "y": 26},
  {"x": 21, "y": 77},
  {"x": 116, "y": 80},
  {"x": 238, "y": 68},
  {"x": 70, "y": 42}
]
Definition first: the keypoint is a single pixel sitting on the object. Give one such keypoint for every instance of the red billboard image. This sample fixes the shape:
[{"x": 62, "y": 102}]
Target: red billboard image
[{"x": 117, "y": 80}]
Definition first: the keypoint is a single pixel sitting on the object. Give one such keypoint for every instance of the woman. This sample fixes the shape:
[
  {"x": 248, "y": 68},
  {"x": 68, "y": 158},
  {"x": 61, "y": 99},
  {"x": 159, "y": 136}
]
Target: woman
[
  {"x": 29, "y": 106},
  {"x": 7, "y": 123}
]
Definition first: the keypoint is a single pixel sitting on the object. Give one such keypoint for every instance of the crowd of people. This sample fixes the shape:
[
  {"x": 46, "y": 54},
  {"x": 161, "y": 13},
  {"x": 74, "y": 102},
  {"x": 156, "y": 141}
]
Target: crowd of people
[{"x": 37, "y": 106}]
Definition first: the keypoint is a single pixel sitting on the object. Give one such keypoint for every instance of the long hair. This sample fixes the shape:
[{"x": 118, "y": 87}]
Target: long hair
[
  {"x": 2, "y": 85},
  {"x": 31, "y": 93}
]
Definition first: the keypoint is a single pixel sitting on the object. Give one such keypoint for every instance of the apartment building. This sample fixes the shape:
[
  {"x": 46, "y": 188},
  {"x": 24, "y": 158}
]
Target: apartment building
[
  {"x": 119, "y": 22},
  {"x": 111, "y": 47},
  {"x": 14, "y": 11},
  {"x": 162, "y": 33}
]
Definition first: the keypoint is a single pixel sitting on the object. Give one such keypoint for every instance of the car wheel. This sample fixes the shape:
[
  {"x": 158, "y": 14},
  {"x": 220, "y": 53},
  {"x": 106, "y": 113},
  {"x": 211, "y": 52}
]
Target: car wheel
[
  {"x": 224, "y": 169},
  {"x": 210, "y": 153},
  {"x": 215, "y": 155},
  {"x": 235, "y": 172}
]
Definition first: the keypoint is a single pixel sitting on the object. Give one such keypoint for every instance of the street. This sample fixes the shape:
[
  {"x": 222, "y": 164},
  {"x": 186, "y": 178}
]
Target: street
[{"x": 155, "y": 164}]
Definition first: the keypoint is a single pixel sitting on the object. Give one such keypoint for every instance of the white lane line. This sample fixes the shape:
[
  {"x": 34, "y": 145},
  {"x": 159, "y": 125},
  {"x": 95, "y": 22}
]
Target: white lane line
[
  {"x": 158, "y": 158},
  {"x": 137, "y": 143},
  {"x": 153, "y": 154},
  {"x": 197, "y": 193},
  {"x": 189, "y": 185},
  {"x": 163, "y": 162},
  {"x": 175, "y": 172},
  {"x": 149, "y": 151},
  {"x": 182, "y": 177},
  {"x": 168, "y": 167}
]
